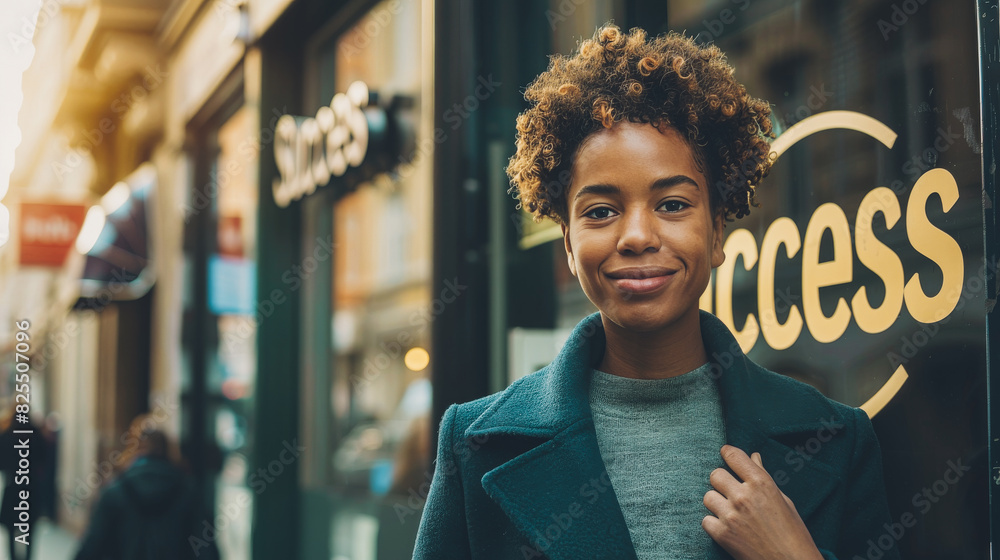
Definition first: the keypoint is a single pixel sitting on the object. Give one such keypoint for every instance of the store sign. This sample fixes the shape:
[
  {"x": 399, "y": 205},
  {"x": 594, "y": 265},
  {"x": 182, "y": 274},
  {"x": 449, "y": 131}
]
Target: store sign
[
  {"x": 48, "y": 231},
  {"x": 310, "y": 150},
  {"x": 925, "y": 305}
]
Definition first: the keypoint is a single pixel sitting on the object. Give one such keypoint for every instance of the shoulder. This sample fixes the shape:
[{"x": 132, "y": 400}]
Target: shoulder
[
  {"x": 784, "y": 387},
  {"x": 769, "y": 396},
  {"x": 802, "y": 407},
  {"x": 807, "y": 400},
  {"x": 526, "y": 391}
]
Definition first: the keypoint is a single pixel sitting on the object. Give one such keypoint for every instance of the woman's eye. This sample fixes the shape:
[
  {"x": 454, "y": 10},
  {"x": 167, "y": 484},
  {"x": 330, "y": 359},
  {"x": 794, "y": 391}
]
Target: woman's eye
[
  {"x": 598, "y": 213},
  {"x": 674, "y": 205}
]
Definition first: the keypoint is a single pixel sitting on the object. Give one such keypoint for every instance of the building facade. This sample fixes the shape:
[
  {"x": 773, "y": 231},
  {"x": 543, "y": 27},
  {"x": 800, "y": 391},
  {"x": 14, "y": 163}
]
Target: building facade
[{"x": 331, "y": 256}]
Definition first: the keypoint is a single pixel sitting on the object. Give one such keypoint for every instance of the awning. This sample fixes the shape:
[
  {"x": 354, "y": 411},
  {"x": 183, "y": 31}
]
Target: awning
[{"x": 115, "y": 240}]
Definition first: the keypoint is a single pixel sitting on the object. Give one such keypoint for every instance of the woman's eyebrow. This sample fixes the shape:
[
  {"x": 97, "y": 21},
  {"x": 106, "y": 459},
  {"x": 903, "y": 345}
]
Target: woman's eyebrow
[{"x": 659, "y": 184}]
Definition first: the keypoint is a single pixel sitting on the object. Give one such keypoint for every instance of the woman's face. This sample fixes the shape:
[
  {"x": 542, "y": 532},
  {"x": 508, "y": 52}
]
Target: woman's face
[{"x": 642, "y": 238}]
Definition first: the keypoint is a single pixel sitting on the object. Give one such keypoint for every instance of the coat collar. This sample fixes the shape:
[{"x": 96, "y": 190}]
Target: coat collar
[{"x": 536, "y": 487}]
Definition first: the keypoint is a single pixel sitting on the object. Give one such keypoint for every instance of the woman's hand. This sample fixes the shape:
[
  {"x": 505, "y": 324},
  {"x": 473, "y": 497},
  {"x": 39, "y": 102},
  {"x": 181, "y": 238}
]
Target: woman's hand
[{"x": 754, "y": 519}]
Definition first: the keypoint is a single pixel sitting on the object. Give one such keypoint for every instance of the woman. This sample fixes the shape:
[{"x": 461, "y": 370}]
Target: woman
[{"x": 650, "y": 435}]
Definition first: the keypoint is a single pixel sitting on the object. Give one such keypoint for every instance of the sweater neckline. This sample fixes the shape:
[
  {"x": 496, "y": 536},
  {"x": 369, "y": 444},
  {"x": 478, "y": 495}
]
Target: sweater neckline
[{"x": 614, "y": 391}]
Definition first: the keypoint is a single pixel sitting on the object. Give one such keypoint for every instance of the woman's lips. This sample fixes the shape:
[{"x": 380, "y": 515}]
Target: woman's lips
[{"x": 641, "y": 285}]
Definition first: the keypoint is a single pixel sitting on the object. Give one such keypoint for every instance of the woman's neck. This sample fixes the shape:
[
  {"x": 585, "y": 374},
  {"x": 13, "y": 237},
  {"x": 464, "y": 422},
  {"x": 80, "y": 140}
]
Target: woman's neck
[{"x": 668, "y": 352}]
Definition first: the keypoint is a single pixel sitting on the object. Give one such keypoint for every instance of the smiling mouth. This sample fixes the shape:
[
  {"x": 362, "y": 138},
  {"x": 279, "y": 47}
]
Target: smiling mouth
[{"x": 643, "y": 284}]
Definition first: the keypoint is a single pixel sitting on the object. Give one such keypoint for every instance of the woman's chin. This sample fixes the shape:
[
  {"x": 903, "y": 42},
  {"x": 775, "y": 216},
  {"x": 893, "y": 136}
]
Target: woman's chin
[{"x": 635, "y": 320}]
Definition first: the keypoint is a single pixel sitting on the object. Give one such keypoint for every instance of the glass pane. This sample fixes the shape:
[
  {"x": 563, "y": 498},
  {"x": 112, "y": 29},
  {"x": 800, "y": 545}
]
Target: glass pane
[
  {"x": 232, "y": 297},
  {"x": 916, "y": 73},
  {"x": 380, "y": 389}
]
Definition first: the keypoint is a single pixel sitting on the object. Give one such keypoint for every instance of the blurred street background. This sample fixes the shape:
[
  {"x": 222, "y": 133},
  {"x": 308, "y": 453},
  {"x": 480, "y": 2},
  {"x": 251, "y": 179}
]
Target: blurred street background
[{"x": 279, "y": 231}]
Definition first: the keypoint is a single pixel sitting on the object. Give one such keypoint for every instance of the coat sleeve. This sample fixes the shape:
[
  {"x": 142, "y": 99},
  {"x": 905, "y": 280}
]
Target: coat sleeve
[
  {"x": 866, "y": 520},
  {"x": 443, "y": 531}
]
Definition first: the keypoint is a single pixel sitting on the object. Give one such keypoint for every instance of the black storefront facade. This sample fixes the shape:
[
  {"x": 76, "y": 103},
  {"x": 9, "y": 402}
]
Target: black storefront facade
[{"x": 865, "y": 272}]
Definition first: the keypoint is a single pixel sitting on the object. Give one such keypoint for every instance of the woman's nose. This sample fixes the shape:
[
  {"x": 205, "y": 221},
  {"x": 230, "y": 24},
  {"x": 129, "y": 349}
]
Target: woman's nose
[{"x": 638, "y": 233}]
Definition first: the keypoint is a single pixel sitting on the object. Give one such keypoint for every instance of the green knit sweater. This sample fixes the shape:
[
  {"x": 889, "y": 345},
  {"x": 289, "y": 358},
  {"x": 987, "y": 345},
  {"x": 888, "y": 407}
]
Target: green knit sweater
[{"x": 660, "y": 440}]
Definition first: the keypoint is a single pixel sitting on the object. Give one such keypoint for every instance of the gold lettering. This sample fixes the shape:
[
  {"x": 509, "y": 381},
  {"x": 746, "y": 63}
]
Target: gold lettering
[
  {"x": 816, "y": 274},
  {"x": 879, "y": 259},
  {"x": 936, "y": 245},
  {"x": 778, "y": 336},
  {"x": 739, "y": 242}
]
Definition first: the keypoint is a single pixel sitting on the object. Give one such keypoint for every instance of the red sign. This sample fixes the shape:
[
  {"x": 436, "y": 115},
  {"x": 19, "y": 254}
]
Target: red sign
[
  {"x": 48, "y": 231},
  {"x": 230, "y": 236}
]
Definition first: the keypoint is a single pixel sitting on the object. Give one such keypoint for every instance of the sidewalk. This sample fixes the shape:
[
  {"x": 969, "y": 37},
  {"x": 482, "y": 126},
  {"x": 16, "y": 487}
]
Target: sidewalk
[{"x": 50, "y": 542}]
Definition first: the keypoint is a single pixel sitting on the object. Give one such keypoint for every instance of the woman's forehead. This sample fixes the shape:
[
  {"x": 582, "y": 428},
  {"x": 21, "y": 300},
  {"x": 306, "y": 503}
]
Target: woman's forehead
[{"x": 633, "y": 151}]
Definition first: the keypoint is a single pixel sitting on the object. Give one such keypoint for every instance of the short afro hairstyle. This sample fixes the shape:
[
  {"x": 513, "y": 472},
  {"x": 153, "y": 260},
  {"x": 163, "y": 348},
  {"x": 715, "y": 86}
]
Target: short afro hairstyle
[{"x": 666, "y": 80}]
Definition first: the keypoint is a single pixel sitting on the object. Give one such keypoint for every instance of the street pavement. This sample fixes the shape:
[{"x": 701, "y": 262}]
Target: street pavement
[{"x": 52, "y": 542}]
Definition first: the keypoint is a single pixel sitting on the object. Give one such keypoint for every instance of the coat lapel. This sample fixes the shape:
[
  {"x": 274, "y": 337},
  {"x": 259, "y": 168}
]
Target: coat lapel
[
  {"x": 557, "y": 493},
  {"x": 559, "y": 496},
  {"x": 758, "y": 420}
]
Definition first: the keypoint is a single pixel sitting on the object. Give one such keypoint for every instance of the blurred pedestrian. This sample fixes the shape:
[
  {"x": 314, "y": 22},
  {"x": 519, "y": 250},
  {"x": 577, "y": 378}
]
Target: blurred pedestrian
[
  {"x": 51, "y": 430},
  {"x": 150, "y": 512}
]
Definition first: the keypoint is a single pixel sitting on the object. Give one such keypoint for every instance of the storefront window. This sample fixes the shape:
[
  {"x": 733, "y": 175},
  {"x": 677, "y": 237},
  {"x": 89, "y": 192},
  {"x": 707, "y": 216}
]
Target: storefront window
[
  {"x": 220, "y": 349},
  {"x": 232, "y": 294},
  {"x": 885, "y": 192},
  {"x": 918, "y": 367},
  {"x": 380, "y": 390},
  {"x": 572, "y": 22}
]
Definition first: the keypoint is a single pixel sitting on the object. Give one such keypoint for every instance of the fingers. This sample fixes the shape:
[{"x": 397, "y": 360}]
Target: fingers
[
  {"x": 715, "y": 502},
  {"x": 713, "y": 526},
  {"x": 742, "y": 465},
  {"x": 724, "y": 482}
]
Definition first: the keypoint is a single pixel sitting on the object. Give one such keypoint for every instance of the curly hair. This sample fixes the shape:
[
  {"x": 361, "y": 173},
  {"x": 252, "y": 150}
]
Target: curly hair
[{"x": 667, "y": 80}]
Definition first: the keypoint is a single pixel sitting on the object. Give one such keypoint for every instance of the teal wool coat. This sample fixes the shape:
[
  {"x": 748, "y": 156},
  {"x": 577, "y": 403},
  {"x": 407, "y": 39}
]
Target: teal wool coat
[{"x": 519, "y": 475}]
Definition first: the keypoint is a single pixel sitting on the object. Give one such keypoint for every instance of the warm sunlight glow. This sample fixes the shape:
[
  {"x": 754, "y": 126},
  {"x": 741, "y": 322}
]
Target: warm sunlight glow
[
  {"x": 91, "y": 230},
  {"x": 17, "y": 26},
  {"x": 114, "y": 198}
]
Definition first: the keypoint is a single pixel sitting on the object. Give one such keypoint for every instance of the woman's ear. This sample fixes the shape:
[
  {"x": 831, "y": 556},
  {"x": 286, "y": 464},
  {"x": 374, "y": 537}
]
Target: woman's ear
[
  {"x": 718, "y": 230},
  {"x": 569, "y": 249}
]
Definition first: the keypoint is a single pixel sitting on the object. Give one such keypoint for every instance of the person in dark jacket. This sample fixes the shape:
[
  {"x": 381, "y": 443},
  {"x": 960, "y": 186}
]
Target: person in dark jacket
[
  {"x": 651, "y": 435},
  {"x": 150, "y": 512}
]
